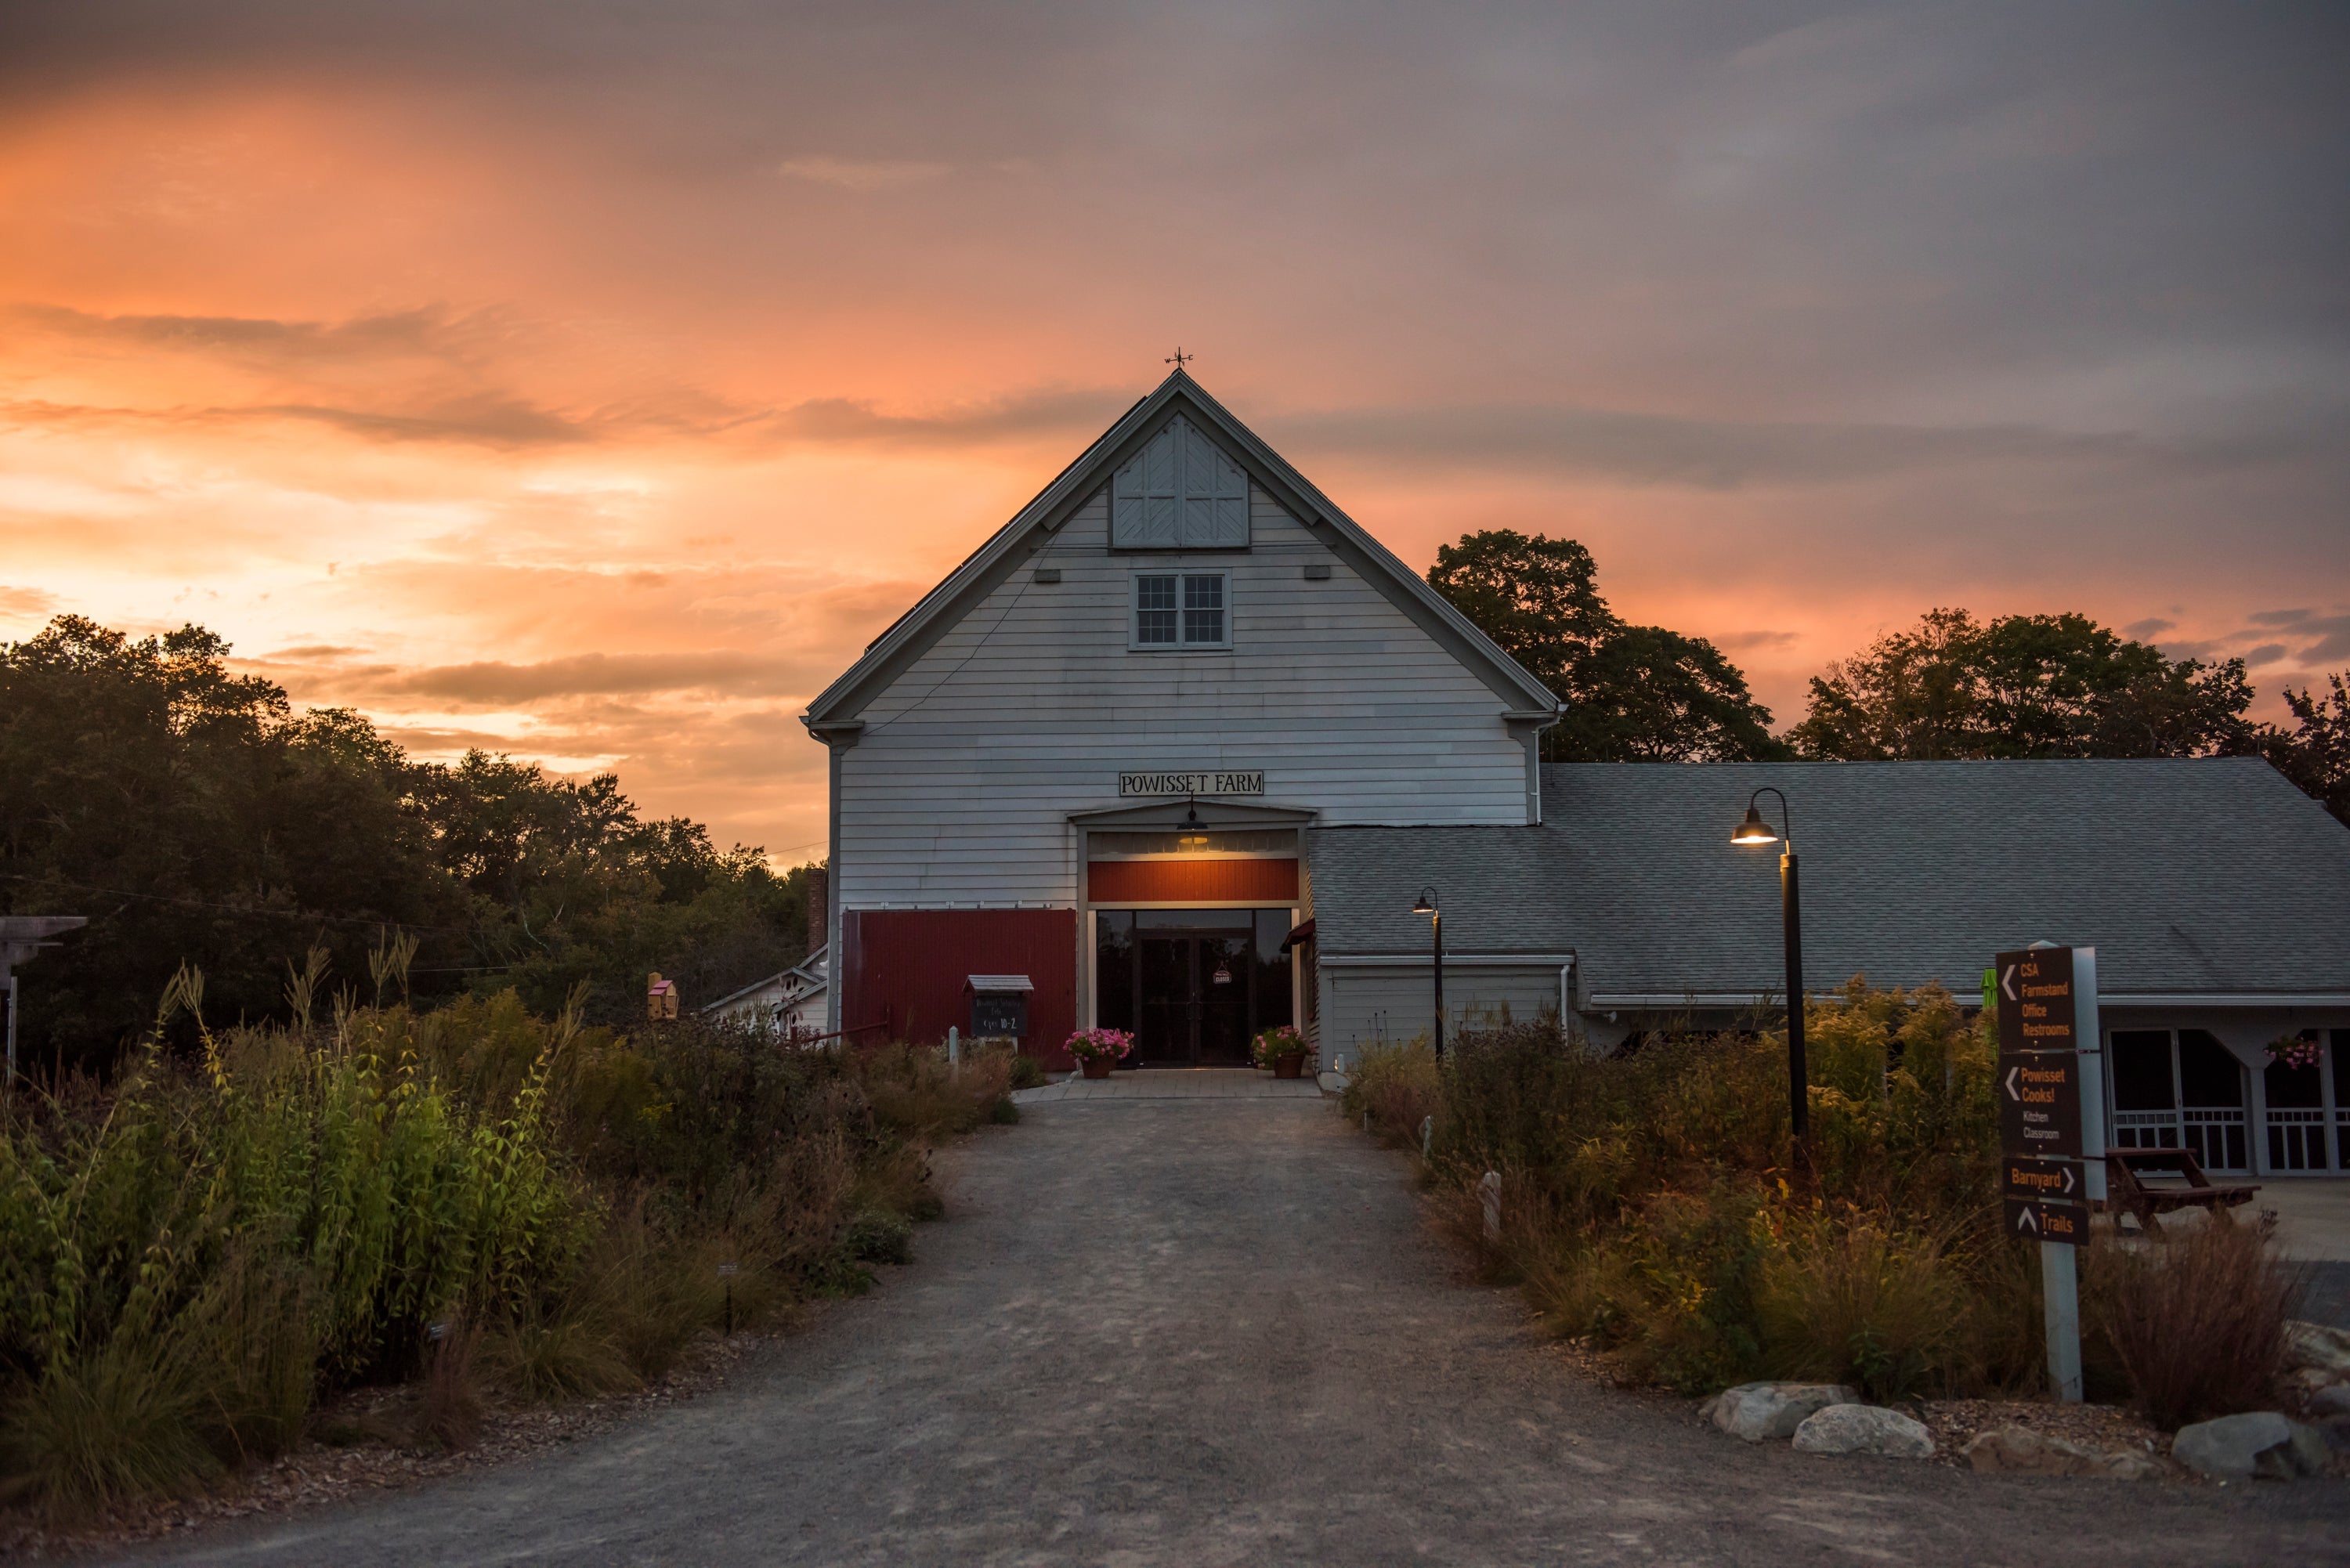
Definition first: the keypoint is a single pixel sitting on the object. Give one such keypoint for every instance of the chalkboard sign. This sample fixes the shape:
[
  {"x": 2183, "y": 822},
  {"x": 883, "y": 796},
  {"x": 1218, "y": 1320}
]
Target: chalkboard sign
[{"x": 997, "y": 1017}]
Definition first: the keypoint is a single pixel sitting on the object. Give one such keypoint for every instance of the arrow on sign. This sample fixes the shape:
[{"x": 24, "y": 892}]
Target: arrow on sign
[
  {"x": 2012, "y": 1094},
  {"x": 2068, "y": 1179},
  {"x": 2006, "y": 984},
  {"x": 2027, "y": 1218}
]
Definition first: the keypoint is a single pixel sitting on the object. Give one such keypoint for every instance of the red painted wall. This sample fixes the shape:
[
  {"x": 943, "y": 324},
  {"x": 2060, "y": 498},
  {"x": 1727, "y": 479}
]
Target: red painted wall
[
  {"x": 906, "y": 968},
  {"x": 1191, "y": 881}
]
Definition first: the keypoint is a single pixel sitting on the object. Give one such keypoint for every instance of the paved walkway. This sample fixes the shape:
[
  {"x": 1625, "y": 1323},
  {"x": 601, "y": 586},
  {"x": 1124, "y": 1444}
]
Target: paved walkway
[{"x": 1202, "y": 1333}]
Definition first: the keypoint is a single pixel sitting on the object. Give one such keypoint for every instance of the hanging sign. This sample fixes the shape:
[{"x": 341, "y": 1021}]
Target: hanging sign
[{"x": 1244, "y": 781}]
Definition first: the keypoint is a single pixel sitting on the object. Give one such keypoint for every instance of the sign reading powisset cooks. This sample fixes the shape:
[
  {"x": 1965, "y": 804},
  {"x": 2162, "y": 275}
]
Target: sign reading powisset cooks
[{"x": 1236, "y": 781}]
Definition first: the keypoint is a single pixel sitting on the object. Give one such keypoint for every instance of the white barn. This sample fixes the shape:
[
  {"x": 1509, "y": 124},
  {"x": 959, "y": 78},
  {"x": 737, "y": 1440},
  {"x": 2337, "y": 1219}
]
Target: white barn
[{"x": 1180, "y": 743}]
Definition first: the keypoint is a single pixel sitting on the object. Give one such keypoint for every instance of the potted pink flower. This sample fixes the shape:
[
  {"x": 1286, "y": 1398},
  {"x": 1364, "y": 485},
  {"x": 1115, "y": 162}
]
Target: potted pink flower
[
  {"x": 1283, "y": 1049},
  {"x": 1100, "y": 1050}
]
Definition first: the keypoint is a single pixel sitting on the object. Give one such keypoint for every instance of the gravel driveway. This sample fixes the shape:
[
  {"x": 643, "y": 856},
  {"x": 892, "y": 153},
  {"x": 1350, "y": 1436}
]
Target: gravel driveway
[{"x": 1150, "y": 1335}]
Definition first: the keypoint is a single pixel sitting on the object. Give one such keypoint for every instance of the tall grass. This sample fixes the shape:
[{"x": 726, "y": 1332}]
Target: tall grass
[{"x": 189, "y": 1257}]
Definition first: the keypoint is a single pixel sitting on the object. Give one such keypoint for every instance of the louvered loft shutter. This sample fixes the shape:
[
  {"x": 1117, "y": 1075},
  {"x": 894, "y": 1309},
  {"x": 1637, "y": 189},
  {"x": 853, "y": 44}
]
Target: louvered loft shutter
[
  {"x": 1215, "y": 495},
  {"x": 1144, "y": 496}
]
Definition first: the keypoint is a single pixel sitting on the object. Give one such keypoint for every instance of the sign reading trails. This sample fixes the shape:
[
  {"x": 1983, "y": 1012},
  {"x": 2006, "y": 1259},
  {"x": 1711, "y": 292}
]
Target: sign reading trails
[
  {"x": 1244, "y": 781},
  {"x": 2065, "y": 1223},
  {"x": 2058, "y": 1180}
]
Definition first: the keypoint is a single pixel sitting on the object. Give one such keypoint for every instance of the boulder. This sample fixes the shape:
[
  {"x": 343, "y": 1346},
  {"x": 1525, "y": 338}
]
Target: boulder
[
  {"x": 2019, "y": 1448},
  {"x": 2330, "y": 1401},
  {"x": 2256, "y": 1443},
  {"x": 1864, "y": 1429},
  {"x": 1756, "y": 1411},
  {"x": 2318, "y": 1347}
]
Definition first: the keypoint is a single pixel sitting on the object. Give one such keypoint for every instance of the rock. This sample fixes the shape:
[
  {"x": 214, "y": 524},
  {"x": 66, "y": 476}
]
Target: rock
[
  {"x": 2317, "y": 1347},
  {"x": 1864, "y": 1429},
  {"x": 2019, "y": 1448},
  {"x": 2310, "y": 1379},
  {"x": 2332, "y": 1401},
  {"x": 2256, "y": 1443},
  {"x": 1756, "y": 1411}
]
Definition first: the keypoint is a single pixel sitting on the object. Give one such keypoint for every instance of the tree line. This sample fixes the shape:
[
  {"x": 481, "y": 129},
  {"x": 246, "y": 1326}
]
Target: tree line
[
  {"x": 1951, "y": 687},
  {"x": 195, "y": 816}
]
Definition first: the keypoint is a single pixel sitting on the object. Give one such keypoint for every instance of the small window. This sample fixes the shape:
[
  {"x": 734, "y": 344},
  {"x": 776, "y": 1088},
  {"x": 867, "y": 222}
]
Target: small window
[{"x": 1181, "y": 609}]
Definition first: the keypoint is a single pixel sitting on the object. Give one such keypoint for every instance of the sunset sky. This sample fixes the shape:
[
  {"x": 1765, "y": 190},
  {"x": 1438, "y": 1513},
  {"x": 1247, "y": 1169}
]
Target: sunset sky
[{"x": 590, "y": 381}]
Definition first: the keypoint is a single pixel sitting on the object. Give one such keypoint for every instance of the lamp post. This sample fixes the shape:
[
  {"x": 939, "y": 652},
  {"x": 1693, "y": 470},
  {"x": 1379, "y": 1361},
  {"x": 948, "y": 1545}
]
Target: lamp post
[
  {"x": 1426, "y": 905},
  {"x": 1754, "y": 830}
]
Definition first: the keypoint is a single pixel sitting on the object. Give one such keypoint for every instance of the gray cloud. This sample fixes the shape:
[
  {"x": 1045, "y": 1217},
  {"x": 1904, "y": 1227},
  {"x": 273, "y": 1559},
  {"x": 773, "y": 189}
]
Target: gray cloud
[
  {"x": 2334, "y": 638},
  {"x": 1740, "y": 641},
  {"x": 424, "y": 331},
  {"x": 2143, "y": 629},
  {"x": 482, "y": 420},
  {"x": 2266, "y": 653},
  {"x": 1659, "y": 448},
  {"x": 604, "y": 674},
  {"x": 30, "y": 603},
  {"x": 2278, "y": 617}
]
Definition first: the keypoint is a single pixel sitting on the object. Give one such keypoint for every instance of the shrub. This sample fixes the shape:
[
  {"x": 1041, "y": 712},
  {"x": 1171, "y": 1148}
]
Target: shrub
[
  {"x": 122, "y": 1422},
  {"x": 2197, "y": 1320},
  {"x": 1397, "y": 1086},
  {"x": 878, "y": 1238},
  {"x": 1655, "y": 1202},
  {"x": 1027, "y": 1072},
  {"x": 189, "y": 1256},
  {"x": 1847, "y": 1298}
]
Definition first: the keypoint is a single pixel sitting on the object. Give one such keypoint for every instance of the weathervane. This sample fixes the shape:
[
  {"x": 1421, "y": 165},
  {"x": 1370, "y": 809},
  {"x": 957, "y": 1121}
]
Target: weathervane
[{"x": 1179, "y": 359}]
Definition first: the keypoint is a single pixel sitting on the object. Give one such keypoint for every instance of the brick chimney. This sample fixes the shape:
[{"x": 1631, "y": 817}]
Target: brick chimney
[{"x": 819, "y": 907}]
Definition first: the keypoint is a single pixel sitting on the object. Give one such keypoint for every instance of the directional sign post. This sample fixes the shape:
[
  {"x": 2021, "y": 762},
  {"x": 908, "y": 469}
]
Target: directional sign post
[{"x": 2052, "y": 1125}]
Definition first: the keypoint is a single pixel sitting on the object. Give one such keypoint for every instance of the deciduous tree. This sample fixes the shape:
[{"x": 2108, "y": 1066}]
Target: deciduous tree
[{"x": 1633, "y": 693}]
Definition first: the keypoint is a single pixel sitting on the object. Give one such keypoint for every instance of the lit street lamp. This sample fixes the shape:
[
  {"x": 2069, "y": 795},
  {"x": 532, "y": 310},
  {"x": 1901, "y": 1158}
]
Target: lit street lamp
[
  {"x": 1754, "y": 830},
  {"x": 1426, "y": 905}
]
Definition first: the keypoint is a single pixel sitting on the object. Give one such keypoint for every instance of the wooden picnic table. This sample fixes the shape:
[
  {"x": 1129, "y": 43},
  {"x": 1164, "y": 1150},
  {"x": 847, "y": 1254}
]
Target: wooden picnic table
[{"x": 2126, "y": 1189}]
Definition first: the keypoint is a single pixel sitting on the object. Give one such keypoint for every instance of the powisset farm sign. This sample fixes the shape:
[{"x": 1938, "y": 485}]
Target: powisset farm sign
[{"x": 1236, "y": 782}]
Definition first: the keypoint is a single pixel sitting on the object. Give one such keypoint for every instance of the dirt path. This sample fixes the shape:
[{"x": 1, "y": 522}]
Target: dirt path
[{"x": 1206, "y": 1332}]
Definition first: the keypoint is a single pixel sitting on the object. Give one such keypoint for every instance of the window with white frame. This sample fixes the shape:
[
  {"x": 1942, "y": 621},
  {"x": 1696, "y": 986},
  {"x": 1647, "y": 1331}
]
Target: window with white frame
[{"x": 1181, "y": 609}]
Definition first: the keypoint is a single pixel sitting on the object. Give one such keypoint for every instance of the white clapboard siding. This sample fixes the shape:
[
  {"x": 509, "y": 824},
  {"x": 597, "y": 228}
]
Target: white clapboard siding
[
  {"x": 1363, "y": 1005},
  {"x": 961, "y": 786}
]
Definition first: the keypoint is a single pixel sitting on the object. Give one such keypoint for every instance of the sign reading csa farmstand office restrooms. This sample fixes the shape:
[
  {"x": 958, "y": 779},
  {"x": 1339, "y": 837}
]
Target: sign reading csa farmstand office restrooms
[
  {"x": 1242, "y": 781},
  {"x": 2036, "y": 1003}
]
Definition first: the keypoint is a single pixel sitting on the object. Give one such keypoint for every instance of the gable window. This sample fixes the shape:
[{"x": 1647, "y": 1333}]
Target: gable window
[
  {"x": 1181, "y": 492},
  {"x": 1181, "y": 609}
]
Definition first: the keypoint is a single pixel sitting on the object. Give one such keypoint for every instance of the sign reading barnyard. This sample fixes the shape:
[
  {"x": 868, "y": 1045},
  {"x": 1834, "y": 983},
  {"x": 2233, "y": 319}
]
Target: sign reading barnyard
[{"x": 1237, "y": 781}]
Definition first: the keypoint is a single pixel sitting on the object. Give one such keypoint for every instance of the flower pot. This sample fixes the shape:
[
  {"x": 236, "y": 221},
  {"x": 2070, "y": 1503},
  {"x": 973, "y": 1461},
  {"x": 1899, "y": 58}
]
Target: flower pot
[
  {"x": 1095, "y": 1066},
  {"x": 1288, "y": 1066}
]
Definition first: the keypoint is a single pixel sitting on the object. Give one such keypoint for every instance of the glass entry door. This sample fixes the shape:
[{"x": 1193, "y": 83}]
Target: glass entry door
[
  {"x": 1195, "y": 985},
  {"x": 1195, "y": 999}
]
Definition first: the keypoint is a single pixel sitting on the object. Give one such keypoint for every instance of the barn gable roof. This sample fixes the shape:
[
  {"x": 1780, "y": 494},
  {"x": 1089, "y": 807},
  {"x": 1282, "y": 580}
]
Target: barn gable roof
[{"x": 896, "y": 649}]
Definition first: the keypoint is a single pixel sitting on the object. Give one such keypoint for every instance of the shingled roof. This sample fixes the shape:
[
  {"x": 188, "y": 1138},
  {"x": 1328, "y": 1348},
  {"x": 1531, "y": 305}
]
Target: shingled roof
[{"x": 2207, "y": 878}]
